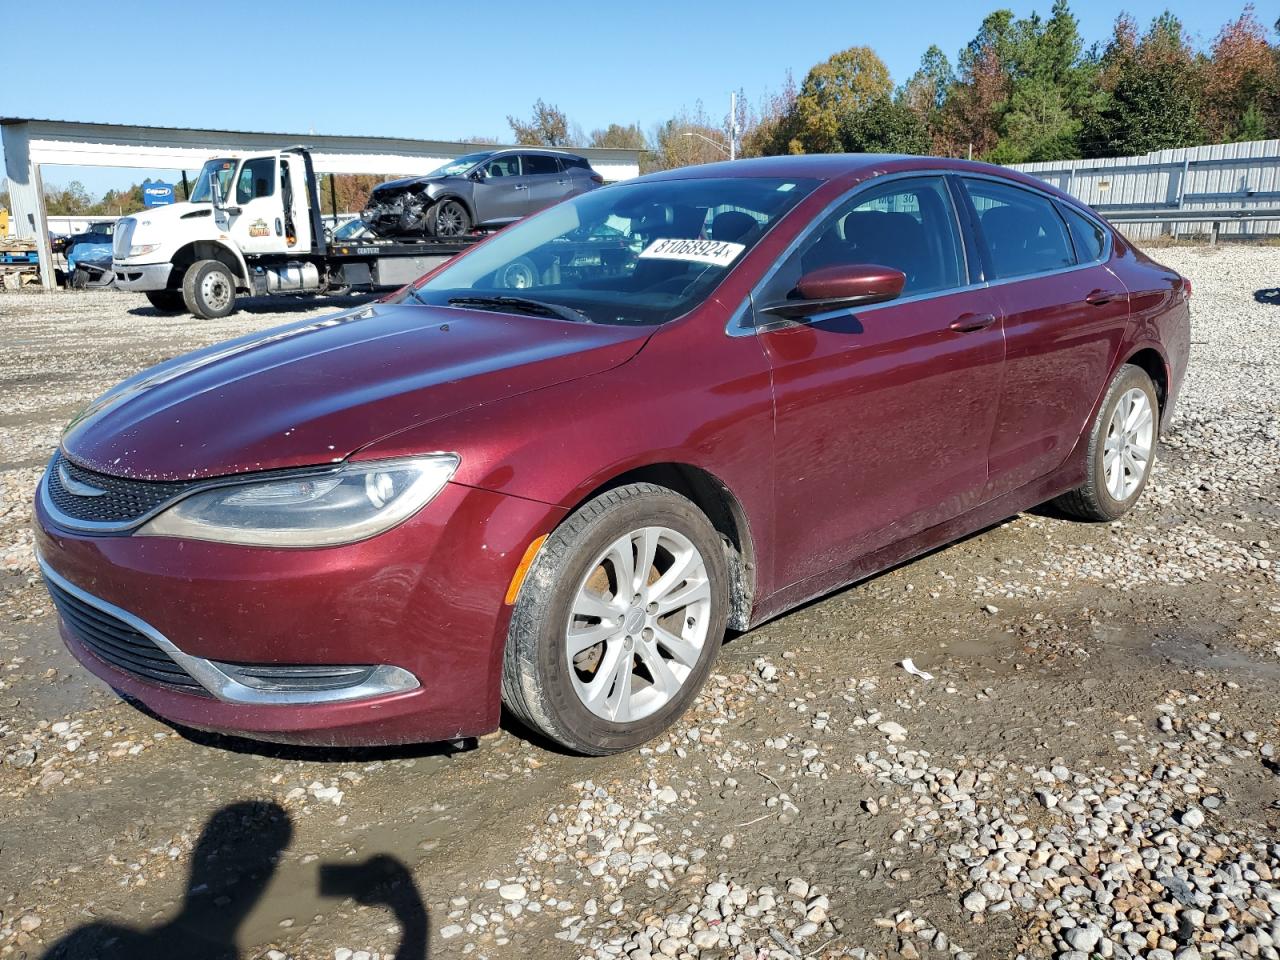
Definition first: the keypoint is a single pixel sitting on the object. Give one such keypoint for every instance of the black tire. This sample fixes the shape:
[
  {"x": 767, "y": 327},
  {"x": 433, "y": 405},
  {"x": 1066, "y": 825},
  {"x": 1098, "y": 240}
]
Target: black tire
[
  {"x": 448, "y": 218},
  {"x": 79, "y": 279},
  {"x": 519, "y": 274},
  {"x": 209, "y": 289},
  {"x": 1092, "y": 500},
  {"x": 537, "y": 685},
  {"x": 167, "y": 301}
]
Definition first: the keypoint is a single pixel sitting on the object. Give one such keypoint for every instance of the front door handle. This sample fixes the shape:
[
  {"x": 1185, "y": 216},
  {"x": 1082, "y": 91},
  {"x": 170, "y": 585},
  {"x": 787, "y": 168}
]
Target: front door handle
[
  {"x": 971, "y": 322},
  {"x": 1098, "y": 297},
  {"x": 562, "y": 182},
  {"x": 519, "y": 186}
]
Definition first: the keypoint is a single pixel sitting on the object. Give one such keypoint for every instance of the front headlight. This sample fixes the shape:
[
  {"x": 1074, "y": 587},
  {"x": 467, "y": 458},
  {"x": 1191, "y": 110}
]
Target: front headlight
[
  {"x": 309, "y": 510},
  {"x": 140, "y": 249}
]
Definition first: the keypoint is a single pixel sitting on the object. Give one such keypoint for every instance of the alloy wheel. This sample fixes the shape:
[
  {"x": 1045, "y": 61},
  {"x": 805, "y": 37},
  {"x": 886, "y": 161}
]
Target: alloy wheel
[
  {"x": 1127, "y": 454},
  {"x": 450, "y": 219},
  {"x": 638, "y": 624}
]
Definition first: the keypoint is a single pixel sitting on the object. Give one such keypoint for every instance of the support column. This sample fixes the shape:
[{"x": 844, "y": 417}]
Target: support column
[{"x": 26, "y": 194}]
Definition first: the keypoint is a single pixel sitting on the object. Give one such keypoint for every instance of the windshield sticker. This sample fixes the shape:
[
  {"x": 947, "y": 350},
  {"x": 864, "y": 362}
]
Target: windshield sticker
[{"x": 718, "y": 253}]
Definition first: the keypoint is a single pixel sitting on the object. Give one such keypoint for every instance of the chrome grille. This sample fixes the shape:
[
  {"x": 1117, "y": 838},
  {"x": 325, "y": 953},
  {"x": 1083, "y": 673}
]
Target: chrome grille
[
  {"x": 121, "y": 501},
  {"x": 123, "y": 238},
  {"x": 113, "y": 640}
]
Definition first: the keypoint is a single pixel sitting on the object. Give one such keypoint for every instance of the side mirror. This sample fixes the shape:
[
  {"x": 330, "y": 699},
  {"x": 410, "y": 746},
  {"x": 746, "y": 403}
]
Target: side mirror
[
  {"x": 476, "y": 175},
  {"x": 843, "y": 285}
]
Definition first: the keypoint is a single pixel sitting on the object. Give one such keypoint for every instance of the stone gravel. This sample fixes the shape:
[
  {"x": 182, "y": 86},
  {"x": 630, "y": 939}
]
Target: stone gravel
[{"x": 1093, "y": 772}]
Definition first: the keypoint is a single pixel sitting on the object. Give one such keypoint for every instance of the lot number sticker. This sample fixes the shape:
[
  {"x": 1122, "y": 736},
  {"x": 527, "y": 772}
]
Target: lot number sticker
[{"x": 718, "y": 253}]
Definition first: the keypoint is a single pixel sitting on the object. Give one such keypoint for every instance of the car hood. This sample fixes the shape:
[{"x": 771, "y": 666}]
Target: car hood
[
  {"x": 317, "y": 391},
  {"x": 391, "y": 186}
]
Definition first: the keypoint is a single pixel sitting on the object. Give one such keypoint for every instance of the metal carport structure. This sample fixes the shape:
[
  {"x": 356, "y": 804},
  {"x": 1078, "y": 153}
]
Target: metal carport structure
[{"x": 31, "y": 143}]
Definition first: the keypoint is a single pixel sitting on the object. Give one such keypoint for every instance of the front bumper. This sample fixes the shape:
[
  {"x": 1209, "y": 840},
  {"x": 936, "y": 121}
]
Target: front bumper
[
  {"x": 425, "y": 598},
  {"x": 142, "y": 277}
]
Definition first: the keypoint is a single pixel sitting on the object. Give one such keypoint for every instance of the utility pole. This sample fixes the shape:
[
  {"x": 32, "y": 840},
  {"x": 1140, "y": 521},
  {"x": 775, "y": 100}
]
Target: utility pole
[{"x": 733, "y": 125}]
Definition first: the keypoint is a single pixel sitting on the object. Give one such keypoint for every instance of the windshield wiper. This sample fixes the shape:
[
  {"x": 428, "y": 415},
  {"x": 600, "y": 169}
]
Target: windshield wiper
[{"x": 538, "y": 308}]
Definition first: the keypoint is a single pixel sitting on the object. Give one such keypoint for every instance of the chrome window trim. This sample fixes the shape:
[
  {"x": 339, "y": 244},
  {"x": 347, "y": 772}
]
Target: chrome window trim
[
  {"x": 1054, "y": 202},
  {"x": 740, "y": 325},
  {"x": 385, "y": 678}
]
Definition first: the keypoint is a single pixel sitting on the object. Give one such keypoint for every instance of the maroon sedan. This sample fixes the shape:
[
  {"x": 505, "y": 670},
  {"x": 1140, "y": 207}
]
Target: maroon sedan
[{"x": 553, "y": 472}]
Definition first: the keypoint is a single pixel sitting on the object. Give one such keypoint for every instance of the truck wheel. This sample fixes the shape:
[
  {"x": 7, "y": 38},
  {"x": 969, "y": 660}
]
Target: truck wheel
[
  {"x": 209, "y": 289},
  {"x": 448, "y": 218},
  {"x": 167, "y": 301},
  {"x": 79, "y": 279}
]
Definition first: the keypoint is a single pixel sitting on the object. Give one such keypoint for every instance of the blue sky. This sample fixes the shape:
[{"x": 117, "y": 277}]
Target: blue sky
[{"x": 450, "y": 71}]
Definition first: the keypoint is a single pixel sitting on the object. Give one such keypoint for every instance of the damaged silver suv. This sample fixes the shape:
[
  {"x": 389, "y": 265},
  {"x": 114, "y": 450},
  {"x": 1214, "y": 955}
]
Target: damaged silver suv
[{"x": 487, "y": 189}]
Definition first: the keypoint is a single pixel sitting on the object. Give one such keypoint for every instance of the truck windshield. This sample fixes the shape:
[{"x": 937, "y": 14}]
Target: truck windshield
[
  {"x": 456, "y": 168},
  {"x": 224, "y": 169},
  {"x": 635, "y": 253}
]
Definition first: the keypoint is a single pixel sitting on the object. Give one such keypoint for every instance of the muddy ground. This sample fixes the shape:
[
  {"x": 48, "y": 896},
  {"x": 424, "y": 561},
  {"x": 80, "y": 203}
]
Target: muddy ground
[{"x": 816, "y": 785}]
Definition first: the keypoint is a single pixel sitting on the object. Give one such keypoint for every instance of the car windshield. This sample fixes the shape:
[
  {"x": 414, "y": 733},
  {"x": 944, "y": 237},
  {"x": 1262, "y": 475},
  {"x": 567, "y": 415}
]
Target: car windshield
[
  {"x": 456, "y": 168},
  {"x": 224, "y": 168},
  {"x": 638, "y": 253}
]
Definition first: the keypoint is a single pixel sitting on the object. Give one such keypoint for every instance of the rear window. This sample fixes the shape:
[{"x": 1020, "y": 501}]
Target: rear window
[
  {"x": 1088, "y": 236},
  {"x": 1023, "y": 231}
]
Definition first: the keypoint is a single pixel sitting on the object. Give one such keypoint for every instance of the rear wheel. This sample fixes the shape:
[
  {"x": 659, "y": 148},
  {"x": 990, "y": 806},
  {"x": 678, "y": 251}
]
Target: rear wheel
[
  {"x": 209, "y": 289},
  {"x": 448, "y": 218},
  {"x": 167, "y": 301},
  {"x": 618, "y": 621},
  {"x": 1122, "y": 449},
  {"x": 519, "y": 274}
]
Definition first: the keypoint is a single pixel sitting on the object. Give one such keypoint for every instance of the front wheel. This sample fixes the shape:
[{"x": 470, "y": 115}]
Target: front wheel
[
  {"x": 209, "y": 289},
  {"x": 618, "y": 621},
  {"x": 1122, "y": 449},
  {"x": 448, "y": 218}
]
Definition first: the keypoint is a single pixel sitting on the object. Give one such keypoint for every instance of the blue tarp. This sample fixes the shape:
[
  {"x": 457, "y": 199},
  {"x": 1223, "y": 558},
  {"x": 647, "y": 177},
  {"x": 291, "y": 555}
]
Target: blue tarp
[{"x": 98, "y": 254}]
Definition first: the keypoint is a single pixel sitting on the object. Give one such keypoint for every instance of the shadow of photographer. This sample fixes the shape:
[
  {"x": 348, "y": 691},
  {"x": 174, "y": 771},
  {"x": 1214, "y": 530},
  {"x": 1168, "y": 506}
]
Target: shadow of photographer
[{"x": 232, "y": 864}]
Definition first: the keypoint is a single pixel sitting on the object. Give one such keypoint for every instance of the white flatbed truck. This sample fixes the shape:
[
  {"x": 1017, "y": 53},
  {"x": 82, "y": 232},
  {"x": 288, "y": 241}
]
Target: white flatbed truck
[{"x": 253, "y": 227}]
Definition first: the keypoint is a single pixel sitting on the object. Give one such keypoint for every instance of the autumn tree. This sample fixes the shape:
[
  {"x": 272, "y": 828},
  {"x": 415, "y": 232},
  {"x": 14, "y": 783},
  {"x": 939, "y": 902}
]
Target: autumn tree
[
  {"x": 774, "y": 128},
  {"x": 69, "y": 201},
  {"x": 1152, "y": 86},
  {"x": 689, "y": 137},
  {"x": 847, "y": 82},
  {"x": 925, "y": 91},
  {"x": 548, "y": 127},
  {"x": 1242, "y": 73},
  {"x": 616, "y": 136}
]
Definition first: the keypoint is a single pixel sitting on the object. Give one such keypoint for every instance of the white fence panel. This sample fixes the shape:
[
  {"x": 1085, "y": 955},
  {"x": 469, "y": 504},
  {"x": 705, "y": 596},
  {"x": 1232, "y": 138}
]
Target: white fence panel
[{"x": 1221, "y": 176}]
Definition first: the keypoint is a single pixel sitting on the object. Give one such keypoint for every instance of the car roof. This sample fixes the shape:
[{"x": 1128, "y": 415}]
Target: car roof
[
  {"x": 836, "y": 166},
  {"x": 548, "y": 151}
]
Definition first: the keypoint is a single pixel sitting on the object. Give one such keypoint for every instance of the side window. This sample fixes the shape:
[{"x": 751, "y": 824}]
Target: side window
[
  {"x": 1088, "y": 236},
  {"x": 909, "y": 225},
  {"x": 536, "y": 164},
  {"x": 505, "y": 166},
  {"x": 257, "y": 179},
  {"x": 1023, "y": 231}
]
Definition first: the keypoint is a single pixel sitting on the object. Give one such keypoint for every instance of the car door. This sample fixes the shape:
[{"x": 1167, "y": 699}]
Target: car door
[
  {"x": 883, "y": 413},
  {"x": 255, "y": 212},
  {"x": 501, "y": 195},
  {"x": 548, "y": 183},
  {"x": 1064, "y": 319}
]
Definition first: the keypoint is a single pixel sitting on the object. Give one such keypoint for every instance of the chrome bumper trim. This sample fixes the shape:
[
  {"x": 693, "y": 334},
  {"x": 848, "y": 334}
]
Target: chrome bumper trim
[{"x": 384, "y": 679}]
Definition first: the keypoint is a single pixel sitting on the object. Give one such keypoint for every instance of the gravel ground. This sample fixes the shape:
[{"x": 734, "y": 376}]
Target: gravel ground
[{"x": 1092, "y": 772}]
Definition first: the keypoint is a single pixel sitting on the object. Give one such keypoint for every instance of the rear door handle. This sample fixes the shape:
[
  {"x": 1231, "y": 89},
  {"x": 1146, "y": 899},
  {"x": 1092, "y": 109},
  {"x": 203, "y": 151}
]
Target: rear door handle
[
  {"x": 971, "y": 322},
  {"x": 1098, "y": 297},
  {"x": 519, "y": 186},
  {"x": 562, "y": 182}
]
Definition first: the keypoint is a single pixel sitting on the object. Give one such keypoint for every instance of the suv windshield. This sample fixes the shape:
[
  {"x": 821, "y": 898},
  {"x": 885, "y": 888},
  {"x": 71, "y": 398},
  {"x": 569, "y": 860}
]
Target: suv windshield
[
  {"x": 224, "y": 168},
  {"x": 456, "y": 168},
  {"x": 638, "y": 253}
]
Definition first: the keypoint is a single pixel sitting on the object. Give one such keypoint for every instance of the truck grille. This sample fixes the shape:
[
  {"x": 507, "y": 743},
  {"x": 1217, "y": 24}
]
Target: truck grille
[
  {"x": 123, "y": 238},
  {"x": 121, "y": 501},
  {"x": 113, "y": 640}
]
